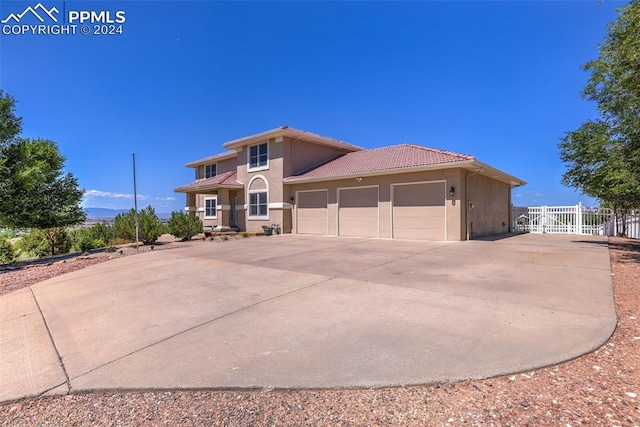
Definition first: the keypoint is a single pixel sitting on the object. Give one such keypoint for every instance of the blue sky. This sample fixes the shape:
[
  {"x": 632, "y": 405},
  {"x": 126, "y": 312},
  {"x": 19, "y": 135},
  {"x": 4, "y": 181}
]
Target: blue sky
[{"x": 498, "y": 80}]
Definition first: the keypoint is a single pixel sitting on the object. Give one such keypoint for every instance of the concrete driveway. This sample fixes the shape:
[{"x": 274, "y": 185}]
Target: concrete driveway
[{"x": 293, "y": 311}]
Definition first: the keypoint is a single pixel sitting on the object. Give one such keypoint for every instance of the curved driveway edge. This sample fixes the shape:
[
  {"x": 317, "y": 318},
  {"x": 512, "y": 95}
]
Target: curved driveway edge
[{"x": 310, "y": 312}]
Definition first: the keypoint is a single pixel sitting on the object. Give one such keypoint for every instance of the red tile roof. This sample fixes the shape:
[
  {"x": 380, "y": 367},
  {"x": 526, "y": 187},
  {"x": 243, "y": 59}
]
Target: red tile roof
[
  {"x": 383, "y": 159},
  {"x": 221, "y": 180}
]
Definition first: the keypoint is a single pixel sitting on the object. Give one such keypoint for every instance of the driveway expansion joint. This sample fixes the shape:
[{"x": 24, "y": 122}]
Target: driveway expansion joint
[
  {"x": 196, "y": 327},
  {"x": 53, "y": 343}
]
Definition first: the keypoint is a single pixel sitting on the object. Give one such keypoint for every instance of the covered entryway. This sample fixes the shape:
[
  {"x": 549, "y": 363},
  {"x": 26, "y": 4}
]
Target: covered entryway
[
  {"x": 311, "y": 213},
  {"x": 419, "y": 211},
  {"x": 358, "y": 211}
]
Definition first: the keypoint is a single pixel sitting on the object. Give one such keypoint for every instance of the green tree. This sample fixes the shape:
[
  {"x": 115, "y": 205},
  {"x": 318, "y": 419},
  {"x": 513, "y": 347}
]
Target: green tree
[
  {"x": 149, "y": 226},
  {"x": 36, "y": 192},
  {"x": 597, "y": 163},
  {"x": 603, "y": 155},
  {"x": 39, "y": 243},
  {"x": 183, "y": 225},
  {"x": 10, "y": 124}
]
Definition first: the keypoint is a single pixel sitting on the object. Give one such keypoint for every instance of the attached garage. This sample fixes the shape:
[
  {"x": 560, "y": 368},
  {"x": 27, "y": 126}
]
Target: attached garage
[
  {"x": 358, "y": 214},
  {"x": 419, "y": 211},
  {"x": 312, "y": 212}
]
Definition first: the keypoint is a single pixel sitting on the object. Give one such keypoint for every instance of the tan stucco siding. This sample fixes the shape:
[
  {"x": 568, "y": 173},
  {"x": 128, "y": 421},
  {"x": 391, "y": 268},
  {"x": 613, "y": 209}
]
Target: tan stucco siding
[
  {"x": 452, "y": 177},
  {"x": 491, "y": 206},
  {"x": 300, "y": 155},
  {"x": 269, "y": 179},
  {"x": 227, "y": 165},
  {"x": 221, "y": 167}
]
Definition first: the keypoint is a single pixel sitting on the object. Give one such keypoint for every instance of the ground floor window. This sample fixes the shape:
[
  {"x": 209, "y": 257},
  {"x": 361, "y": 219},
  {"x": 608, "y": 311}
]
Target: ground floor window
[
  {"x": 210, "y": 207},
  {"x": 258, "y": 204}
]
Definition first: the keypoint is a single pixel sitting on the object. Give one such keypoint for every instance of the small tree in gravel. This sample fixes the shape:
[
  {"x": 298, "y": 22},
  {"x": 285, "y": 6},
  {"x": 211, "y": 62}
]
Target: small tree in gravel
[
  {"x": 184, "y": 226},
  {"x": 85, "y": 239},
  {"x": 38, "y": 243},
  {"x": 7, "y": 253},
  {"x": 149, "y": 226}
]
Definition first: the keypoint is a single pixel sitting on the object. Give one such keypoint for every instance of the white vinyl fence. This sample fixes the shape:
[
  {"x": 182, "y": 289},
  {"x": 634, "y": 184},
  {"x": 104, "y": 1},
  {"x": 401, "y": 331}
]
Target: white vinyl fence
[{"x": 575, "y": 220}]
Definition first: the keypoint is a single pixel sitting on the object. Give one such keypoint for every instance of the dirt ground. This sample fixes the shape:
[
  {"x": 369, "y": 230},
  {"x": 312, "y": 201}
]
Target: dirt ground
[{"x": 600, "y": 388}]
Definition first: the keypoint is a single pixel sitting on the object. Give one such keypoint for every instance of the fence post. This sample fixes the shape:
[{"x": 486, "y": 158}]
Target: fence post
[
  {"x": 579, "y": 218},
  {"x": 544, "y": 219}
]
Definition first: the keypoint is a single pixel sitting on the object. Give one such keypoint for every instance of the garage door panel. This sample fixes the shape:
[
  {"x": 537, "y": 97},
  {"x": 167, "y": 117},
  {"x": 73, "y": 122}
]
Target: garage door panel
[
  {"x": 358, "y": 212},
  {"x": 419, "y": 211},
  {"x": 419, "y": 195},
  {"x": 312, "y": 212}
]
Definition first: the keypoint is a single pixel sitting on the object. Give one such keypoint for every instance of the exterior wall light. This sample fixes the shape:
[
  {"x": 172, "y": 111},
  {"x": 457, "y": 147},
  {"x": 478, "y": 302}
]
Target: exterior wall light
[{"x": 452, "y": 191}]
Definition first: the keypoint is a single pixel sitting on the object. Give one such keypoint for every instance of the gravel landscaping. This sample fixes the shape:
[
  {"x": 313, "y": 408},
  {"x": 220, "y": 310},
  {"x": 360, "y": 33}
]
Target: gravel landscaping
[{"x": 600, "y": 388}]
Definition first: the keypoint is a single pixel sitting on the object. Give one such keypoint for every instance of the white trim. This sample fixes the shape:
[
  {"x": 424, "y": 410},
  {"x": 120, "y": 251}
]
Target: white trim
[
  {"x": 204, "y": 208},
  {"x": 446, "y": 199},
  {"x": 326, "y": 190},
  {"x": 223, "y": 207},
  {"x": 257, "y": 168},
  {"x": 249, "y": 192},
  {"x": 338, "y": 206},
  {"x": 253, "y": 178},
  {"x": 279, "y": 205}
]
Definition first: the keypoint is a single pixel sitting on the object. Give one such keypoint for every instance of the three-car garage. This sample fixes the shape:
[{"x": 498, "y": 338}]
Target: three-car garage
[{"x": 407, "y": 210}]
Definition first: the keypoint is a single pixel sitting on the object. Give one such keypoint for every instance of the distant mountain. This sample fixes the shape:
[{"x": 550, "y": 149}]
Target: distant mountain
[{"x": 111, "y": 213}]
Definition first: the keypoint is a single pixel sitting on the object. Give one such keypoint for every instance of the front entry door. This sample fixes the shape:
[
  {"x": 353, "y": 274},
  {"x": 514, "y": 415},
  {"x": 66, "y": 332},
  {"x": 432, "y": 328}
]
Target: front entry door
[{"x": 233, "y": 216}]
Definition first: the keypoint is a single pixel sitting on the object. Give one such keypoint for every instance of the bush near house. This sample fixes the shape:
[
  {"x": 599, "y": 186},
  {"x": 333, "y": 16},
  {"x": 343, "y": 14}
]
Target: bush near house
[
  {"x": 183, "y": 225},
  {"x": 149, "y": 226}
]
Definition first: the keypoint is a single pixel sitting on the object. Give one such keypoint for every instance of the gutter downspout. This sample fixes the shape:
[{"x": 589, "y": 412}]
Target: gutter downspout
[{"x": 466, "y": 189}]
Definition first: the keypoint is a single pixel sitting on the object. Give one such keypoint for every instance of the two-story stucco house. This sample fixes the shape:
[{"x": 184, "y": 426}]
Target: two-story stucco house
[{"x": 311, "y": 184}]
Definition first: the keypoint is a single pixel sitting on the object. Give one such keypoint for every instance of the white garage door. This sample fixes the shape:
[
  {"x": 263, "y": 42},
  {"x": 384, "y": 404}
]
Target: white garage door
[
  {"x": 419, "y": 211},
  {"x": 358, "y": 212},
  {"x": 312, "y": 212}
]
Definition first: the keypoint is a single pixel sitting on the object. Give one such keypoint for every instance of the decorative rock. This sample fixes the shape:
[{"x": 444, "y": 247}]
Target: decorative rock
[{"x": 631, "y": 394}]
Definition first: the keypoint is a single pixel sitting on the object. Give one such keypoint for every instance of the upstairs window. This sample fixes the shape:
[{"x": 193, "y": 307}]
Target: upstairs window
[
  {"x": 259, "y": 156},
  {"x": 209, "y": 171}
]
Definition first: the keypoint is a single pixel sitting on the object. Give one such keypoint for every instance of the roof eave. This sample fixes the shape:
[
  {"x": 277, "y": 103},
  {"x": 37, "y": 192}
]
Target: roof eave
[
  {"x": 208, "y": 160},
  {"x": 494, "y": 173},
  {"x": 207, "y": 187},
  {"x": 448, "y": 165},
  {"x": 290, "y": 132}
]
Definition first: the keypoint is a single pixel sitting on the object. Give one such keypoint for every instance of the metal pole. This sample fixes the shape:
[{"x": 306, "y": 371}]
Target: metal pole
[{"x": 135, "y": 198}]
